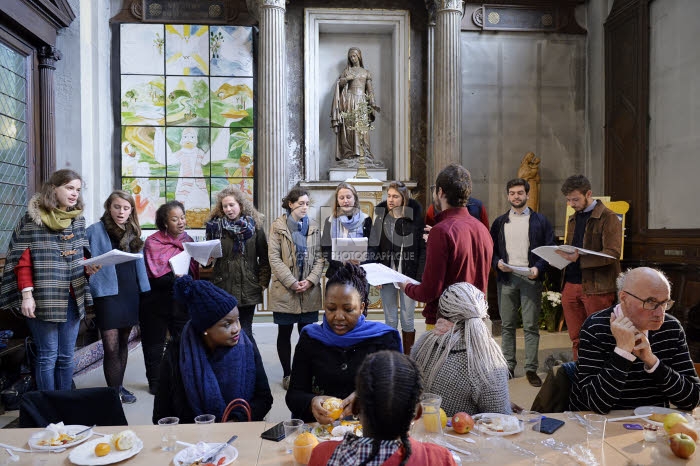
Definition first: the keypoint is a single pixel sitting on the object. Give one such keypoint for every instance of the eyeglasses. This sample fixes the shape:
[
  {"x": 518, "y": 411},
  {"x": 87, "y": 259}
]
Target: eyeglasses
[{"x": 650, "y": 304}]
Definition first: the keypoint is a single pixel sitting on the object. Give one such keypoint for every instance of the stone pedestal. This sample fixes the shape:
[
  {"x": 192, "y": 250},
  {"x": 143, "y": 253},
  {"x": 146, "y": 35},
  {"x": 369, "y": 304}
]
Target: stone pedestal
[{"x": 342, "y": 174}]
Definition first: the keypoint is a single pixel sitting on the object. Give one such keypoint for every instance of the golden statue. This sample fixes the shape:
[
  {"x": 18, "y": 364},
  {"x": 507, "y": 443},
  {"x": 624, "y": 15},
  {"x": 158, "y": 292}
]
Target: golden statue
[{"x": 530, "y": 171}]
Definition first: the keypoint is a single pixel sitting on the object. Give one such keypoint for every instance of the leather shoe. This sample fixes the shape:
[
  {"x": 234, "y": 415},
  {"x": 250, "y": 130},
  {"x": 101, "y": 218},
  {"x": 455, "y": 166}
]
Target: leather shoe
[{"x": 533, "y": 378}]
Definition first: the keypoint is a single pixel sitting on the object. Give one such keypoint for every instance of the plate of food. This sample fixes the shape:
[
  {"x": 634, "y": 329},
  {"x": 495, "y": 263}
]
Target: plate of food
[
  {"x": 107, "y": 450},
  {"x": 497, "y": 424},
  {"x": 192, "y": 456},
  {"x": 337, "y": 430},
  {"x": 57, "y": 436},
  {"x": 657, "y": 414}
]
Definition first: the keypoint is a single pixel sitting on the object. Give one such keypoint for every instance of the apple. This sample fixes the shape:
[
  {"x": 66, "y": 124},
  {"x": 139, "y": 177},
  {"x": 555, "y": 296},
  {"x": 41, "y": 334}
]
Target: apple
[
  {"x": 672, "y": 419},
  {"x": 684, "y": 428},
  {"x": 462, "y": 423},
  {"x": 682, "y": 445}
]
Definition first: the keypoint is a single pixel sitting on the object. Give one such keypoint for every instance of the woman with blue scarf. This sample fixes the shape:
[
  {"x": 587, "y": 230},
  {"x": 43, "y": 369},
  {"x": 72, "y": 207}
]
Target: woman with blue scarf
[
  {"x": 347, "y": 221},
  {"x": 297, "y": 264},
  {"x": 243, "y": 270},
  {"x": 328, "y": 356},
  {"x": 213, "y": 363}
]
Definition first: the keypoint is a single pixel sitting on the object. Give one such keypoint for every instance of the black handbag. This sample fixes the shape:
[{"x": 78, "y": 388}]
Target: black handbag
[{"x": 12, "y": 396}]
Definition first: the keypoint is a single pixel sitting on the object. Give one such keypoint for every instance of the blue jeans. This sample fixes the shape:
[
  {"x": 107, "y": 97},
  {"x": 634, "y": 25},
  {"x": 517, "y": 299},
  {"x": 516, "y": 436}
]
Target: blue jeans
[
  {"x": 391, "y": 310},
  {"x": 526, "y": 294},
  {"x": 55, "y": 345}
]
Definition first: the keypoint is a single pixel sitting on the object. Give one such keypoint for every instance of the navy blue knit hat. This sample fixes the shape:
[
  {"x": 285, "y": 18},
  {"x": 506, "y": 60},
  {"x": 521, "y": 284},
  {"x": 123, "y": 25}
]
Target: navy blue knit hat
[{"x": 206, "y": 303}]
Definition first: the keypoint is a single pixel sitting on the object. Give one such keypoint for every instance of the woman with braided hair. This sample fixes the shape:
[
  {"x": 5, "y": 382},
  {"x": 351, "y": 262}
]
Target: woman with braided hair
[
  {"x": 460, "y": 360},
  {"x": 387, "y": 393},
  {"x": 328, "y": 356}
]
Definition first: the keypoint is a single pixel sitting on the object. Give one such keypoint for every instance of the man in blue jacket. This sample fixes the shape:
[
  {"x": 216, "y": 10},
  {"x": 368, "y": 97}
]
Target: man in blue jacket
[{"x": 520, "y": 273}]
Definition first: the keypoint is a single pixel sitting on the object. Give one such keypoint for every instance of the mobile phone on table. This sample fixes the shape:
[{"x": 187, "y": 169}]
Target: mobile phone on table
[
  {"x": 548, "y": 425},
  {"x": 274, "y": 433}
]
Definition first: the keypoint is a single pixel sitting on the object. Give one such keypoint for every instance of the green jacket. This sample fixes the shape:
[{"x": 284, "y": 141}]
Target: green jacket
[
  {"x": 245, "y": 275},
  {"x": 282, "y": 255}
]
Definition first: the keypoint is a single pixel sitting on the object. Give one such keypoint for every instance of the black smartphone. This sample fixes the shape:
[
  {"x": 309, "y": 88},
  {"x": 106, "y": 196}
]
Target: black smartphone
[
  {"x": 549, "y": 425},
  {"x": 274, "y": 433}
]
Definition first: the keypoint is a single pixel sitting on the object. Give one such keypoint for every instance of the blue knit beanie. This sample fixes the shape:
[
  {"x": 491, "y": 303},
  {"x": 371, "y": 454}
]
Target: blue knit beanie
[{"x": 206, "y": 303}]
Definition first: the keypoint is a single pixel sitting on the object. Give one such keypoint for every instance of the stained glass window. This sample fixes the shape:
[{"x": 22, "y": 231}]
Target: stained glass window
[
  {"x": 14, "y": 147},
  {"x": 186, "y": 115}
]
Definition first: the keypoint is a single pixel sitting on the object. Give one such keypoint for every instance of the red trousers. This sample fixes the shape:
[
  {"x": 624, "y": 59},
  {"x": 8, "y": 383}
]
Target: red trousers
[{"x": 578, "y": 306}]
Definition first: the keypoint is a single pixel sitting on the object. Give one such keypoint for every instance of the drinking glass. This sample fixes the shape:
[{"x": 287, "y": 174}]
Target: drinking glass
[
  {"x": 292, "y": 428},
  {"x": 205, "y": 419},
  {"x": 432, "y": 424},
  {"x": 531, "y": 426},
  {"x": 595, "y": 431},
  {"x": 168, "y": 436}
]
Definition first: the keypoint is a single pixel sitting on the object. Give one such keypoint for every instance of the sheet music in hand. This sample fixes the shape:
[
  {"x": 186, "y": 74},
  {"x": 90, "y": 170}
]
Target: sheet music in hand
[
  {"x": 113, "y": 257},
  {"x": 180, "y": 263},
  {"x": 201, "y": 251},
  {"x": 549, "y": 254},
  {"x": 346, "y": 249}
]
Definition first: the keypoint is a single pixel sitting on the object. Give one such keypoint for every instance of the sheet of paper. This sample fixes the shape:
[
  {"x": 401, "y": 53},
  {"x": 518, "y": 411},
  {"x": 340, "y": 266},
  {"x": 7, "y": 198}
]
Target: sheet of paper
[
  {"x": 180, "y": 263},
  {"x": 379, "y": 274},
  {"x": 346, "y": 249},
  {"x": 113, "y": 257},
  {"x": 548, "y": 253},
  {"x": 525, "y": 271},
  {"x": 203, "y": 250}
]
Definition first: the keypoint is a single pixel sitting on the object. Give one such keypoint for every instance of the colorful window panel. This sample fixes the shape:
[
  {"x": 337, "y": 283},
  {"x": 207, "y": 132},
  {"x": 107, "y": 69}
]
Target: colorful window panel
[{"x": 186, "y": 115}]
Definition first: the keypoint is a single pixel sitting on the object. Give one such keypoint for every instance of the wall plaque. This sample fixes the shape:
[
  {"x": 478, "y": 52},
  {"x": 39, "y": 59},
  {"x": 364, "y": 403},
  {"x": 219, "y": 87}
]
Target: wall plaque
[{"x": 191, "y": 11}]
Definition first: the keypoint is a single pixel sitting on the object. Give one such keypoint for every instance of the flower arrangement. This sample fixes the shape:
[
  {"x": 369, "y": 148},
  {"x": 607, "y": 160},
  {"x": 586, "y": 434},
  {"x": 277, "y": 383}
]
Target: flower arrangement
[{"x": 551, "y": 307}]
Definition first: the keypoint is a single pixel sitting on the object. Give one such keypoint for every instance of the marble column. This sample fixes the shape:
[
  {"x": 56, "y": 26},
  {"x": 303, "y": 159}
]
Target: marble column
[
  {"x": 447, "y": 118},
  {"x": 271, "y": 166},
  {"x": 429, "y": 152},
  {"x": 48, "y": 56}
]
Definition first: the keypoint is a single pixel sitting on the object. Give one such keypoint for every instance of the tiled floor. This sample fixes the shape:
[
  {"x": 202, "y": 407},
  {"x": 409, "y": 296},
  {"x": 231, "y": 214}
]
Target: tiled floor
[{"x": 265, "y": 334}]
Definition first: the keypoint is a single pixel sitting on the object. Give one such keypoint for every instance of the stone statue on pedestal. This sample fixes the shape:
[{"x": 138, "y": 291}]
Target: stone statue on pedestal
[
  {"x": 352, "y": 112},
  {"x": 530, "y": 171}
]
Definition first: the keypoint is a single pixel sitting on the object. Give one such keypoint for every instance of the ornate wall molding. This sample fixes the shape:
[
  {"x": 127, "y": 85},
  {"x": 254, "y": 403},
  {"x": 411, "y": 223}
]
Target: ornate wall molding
[{"x": 546, "y": 16}]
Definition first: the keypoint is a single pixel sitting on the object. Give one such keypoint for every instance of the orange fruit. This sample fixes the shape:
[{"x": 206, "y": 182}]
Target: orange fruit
[
  {"x": 335, "y": 406},
  {"x": 304, "y": 444},
  {"x": 102, "y": 449}
]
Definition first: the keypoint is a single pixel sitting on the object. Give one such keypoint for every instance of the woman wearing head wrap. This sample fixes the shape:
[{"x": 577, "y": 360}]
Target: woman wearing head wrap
[
  {"x": 213, "y": 363},
  {"x": 460, "y": 360}
]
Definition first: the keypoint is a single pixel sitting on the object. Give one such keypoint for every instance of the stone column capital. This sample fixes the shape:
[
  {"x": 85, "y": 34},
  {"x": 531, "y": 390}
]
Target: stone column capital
[
  {"x": 431, "y": 6},
  {"x": 48, "y": 56},
  {"x": 440, "y": 6},
  {"x": 254, "y": 6}
]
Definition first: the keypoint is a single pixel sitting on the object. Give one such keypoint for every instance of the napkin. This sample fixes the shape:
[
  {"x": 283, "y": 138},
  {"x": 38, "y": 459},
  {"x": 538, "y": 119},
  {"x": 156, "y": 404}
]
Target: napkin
[{"x": 52, "y": 432}]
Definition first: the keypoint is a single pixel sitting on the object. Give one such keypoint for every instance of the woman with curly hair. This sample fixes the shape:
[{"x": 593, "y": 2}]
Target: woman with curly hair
[
  {"x": 243, "y": 270},
  {"x": 116, "y": 289},
  {"x": 388, "y": 387}
]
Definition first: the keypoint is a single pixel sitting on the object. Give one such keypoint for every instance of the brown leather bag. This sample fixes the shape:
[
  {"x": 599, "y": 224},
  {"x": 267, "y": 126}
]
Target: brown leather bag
[{"x": 237, "y": 403}]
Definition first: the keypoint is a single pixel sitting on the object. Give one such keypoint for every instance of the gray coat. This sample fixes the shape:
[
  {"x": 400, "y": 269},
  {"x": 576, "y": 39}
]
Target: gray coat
[{"x": 282, "y": 255}]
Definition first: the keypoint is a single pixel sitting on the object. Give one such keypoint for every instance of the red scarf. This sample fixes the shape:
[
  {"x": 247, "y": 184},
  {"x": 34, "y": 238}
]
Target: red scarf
[{"x": 160, "y": 248}]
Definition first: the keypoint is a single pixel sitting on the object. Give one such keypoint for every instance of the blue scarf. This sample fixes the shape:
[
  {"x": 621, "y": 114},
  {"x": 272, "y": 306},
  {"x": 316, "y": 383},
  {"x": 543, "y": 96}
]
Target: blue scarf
[
  {"x": 241, "y": 230},
  {"x": 353, "y": 224},
  {"x": 212, "y": 381},
  {"x": 363, "y": 330},
  {"x": 300, "y": 231}
]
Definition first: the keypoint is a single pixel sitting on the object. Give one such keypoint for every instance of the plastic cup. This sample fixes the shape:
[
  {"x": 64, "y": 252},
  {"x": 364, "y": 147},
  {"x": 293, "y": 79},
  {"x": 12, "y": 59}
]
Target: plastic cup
[
  {"x": 168, "y": 436},
  {"x": 432, "y": 424},
  {"x": 531, "y": 426},
  {"x": 205, "y": 419},
  {"x": 292, "y": 428},
  {"x": 595, "y": 431}
]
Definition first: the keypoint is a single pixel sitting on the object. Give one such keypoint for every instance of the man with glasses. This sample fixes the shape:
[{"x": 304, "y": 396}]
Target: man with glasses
[
  {"x": 588, "y": 282},
  {"x": 634, "y": 354}
]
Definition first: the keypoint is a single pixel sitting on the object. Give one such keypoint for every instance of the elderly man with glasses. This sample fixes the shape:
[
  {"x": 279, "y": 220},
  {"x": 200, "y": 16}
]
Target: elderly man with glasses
[{"x": 634, "y": 354}]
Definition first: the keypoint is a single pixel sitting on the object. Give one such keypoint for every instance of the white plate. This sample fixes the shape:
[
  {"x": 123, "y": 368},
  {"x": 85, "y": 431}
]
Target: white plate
[
  {"x": 84, "y": 455},
  {"x": 70, "y": 430},
  {"x": 229, "y": 452},
  {"x": 497, "y": 416},
  {"x": 658, "y": 410}
]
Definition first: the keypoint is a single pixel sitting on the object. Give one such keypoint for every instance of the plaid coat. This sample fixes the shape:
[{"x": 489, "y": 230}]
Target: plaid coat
[{"x": 55, "y": 266}]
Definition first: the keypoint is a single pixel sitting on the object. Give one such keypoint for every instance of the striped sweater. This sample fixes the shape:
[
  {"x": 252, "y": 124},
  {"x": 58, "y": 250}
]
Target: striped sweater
[{"x": 607, "y": 381}]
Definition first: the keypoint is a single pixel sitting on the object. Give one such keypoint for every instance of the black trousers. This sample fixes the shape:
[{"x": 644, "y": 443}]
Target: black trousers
[{"x": 160, "y": 316}]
